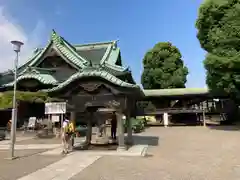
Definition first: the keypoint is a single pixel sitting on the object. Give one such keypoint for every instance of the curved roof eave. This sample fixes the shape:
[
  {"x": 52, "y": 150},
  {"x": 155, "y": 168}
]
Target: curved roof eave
[
  {"x": 94, "y": 73},
  {"x": 45, "y": 79}
]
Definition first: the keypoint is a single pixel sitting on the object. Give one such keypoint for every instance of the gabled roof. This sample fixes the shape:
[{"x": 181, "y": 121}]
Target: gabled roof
[
  {"x": 63, "y": 48},
  {"x": 103, "y": 53},
  {"x": 97, "y": 54}
]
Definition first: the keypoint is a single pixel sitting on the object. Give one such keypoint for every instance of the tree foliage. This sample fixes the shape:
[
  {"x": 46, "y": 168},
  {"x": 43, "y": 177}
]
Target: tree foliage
[
  {"x": 163, "y": 68},
  {"x": 6, "y": 98},
  {"x": 218, "y": 27}
]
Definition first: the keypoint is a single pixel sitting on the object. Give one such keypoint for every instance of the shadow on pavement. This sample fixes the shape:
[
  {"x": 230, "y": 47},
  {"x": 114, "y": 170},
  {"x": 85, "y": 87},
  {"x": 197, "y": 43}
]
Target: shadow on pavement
[
  {"x": 146, "y": 140},
  {"x": 224, "y": 127}
]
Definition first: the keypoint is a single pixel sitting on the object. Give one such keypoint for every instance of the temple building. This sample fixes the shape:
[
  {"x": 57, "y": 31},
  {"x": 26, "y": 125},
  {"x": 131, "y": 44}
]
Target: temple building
[
  {"x": 91, "y": 77},
  {"x": 88, "y": 77}
]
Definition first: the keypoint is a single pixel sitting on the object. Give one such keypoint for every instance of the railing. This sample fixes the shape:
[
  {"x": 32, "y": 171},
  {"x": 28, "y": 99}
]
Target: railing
[{"x": 177, "y": 111}]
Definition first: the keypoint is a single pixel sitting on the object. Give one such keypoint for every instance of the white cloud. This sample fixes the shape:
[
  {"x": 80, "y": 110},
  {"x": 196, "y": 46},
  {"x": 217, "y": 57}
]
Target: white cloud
[{"x": 10, "y": 30}]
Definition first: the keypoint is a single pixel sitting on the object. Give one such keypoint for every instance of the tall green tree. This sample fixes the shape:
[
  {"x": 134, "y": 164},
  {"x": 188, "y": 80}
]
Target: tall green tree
[
  {"x": 218, "y": 27},
  {"x": 163, "y": 68}
]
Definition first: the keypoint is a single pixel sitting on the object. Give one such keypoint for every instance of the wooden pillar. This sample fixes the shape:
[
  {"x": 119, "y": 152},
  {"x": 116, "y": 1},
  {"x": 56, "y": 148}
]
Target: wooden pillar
[
  {"x": 120, "y": 129},
  {"x": 73, "y": 116},
  {"x": 73, "y": 119},
  {"x": 197, "y": 118},
  {"x": 89, "y": 129},
  {"x": 61, "y": 124},
  {"x": 204, "y": 120},
  {"x": 129, "y": 130},
  {"x": 207, "y": 104}
]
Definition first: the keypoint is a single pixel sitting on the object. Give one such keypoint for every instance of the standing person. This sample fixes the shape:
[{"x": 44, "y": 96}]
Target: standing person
[
  {"x": 114, "y": 126},
  {"x": 71, "y": 134},
  {"x": 9, "y": 124},
  {"x": 64, "y": 136}
]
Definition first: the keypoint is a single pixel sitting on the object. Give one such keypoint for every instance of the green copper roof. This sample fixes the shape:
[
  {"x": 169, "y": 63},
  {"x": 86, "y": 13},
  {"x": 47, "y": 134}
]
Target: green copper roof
[
  {"x": 115, "y": 72},
  {"x": 62, "y": 47},
  {"x": 174, "y": 92},
  {"x": 43, "y": 78},
  {"x": 94, "y": 55},
  {"x": 94, "y": 73},
  {"x": 103, "y": 57},
  {"x": 79, "y": 56},
  {"x": 104, "y": 54},
  {"x": 97, "y": 53}
]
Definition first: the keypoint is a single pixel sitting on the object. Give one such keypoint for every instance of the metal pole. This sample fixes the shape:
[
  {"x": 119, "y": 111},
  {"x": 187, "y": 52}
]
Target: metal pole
[{"x": 14, "y": 109}]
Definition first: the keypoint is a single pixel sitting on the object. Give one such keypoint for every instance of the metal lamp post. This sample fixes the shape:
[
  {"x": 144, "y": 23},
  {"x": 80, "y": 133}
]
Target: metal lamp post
[{"x": 16, "y": 47}]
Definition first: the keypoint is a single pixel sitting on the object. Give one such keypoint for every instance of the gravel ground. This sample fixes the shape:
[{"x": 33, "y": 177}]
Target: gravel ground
[
  {"x": 175, "y": 153},
  {"x": 29, "y": 161}
]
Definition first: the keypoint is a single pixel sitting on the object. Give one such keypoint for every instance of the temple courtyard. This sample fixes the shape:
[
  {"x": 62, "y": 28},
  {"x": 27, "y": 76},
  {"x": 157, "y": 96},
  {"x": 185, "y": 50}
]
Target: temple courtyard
[{"x": 177, "y": 153}]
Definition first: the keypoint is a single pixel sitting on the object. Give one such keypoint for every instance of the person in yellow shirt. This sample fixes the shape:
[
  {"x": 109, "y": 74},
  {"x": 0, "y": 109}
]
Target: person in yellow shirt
[{"x": 71, "y": 134}]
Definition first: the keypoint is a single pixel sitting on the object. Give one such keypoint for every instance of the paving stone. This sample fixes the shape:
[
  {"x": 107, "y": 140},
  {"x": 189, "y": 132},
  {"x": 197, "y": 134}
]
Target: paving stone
[
  {"x": 29, "y": 161},
  {"x": 63, "y": 169},
  {"x": 174, "y": 153}
]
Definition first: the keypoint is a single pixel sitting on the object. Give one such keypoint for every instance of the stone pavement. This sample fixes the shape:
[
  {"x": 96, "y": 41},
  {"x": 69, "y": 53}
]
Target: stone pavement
[
  {"x": 174, "y": 153},
  {"x": 18, "y": 139},
  {"x": 37, "y": 140},
  {"x": 31, "y": 142},
  {"x": 31, "y": 146},
  {"x": 75, "y": 162},
  {"x": 63, "y": 169},
  {"x": 28, "y": 163}
]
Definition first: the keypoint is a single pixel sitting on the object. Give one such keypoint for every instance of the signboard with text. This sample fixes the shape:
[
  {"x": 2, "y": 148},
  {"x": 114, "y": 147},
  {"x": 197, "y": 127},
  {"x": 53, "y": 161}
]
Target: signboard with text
[{"x": 55, "y": 108}]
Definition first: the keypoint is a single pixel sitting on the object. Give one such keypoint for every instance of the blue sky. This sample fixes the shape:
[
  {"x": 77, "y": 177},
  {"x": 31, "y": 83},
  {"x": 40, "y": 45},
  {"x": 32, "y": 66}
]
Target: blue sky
[{"x": 137, "y": 24}]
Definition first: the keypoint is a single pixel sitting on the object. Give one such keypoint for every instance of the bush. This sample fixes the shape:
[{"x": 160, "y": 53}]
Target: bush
[
  {"x": 82, "y": 130},
  {"x": 138, "y": 125}
]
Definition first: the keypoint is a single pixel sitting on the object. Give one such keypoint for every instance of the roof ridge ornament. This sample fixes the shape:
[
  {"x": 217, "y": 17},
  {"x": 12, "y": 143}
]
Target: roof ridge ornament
[
  {"x": 53, "y": 34},
  {"x": 129, "y": 69},
  {"x": 55, "y": 37},
  {"x": 90, "y": 63},
  {"x": 115, "y": 44}
]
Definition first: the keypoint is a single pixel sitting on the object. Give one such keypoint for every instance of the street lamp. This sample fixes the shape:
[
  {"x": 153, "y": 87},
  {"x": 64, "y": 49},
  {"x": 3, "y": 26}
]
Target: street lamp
[{"x": 16, "y": 47}]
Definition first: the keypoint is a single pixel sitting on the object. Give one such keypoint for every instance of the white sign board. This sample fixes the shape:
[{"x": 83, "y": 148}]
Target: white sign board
[
  {"x": 55, "y": 108},
  {"x": 32, "y": 122},
  {"x": 55, "y": 118}
]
